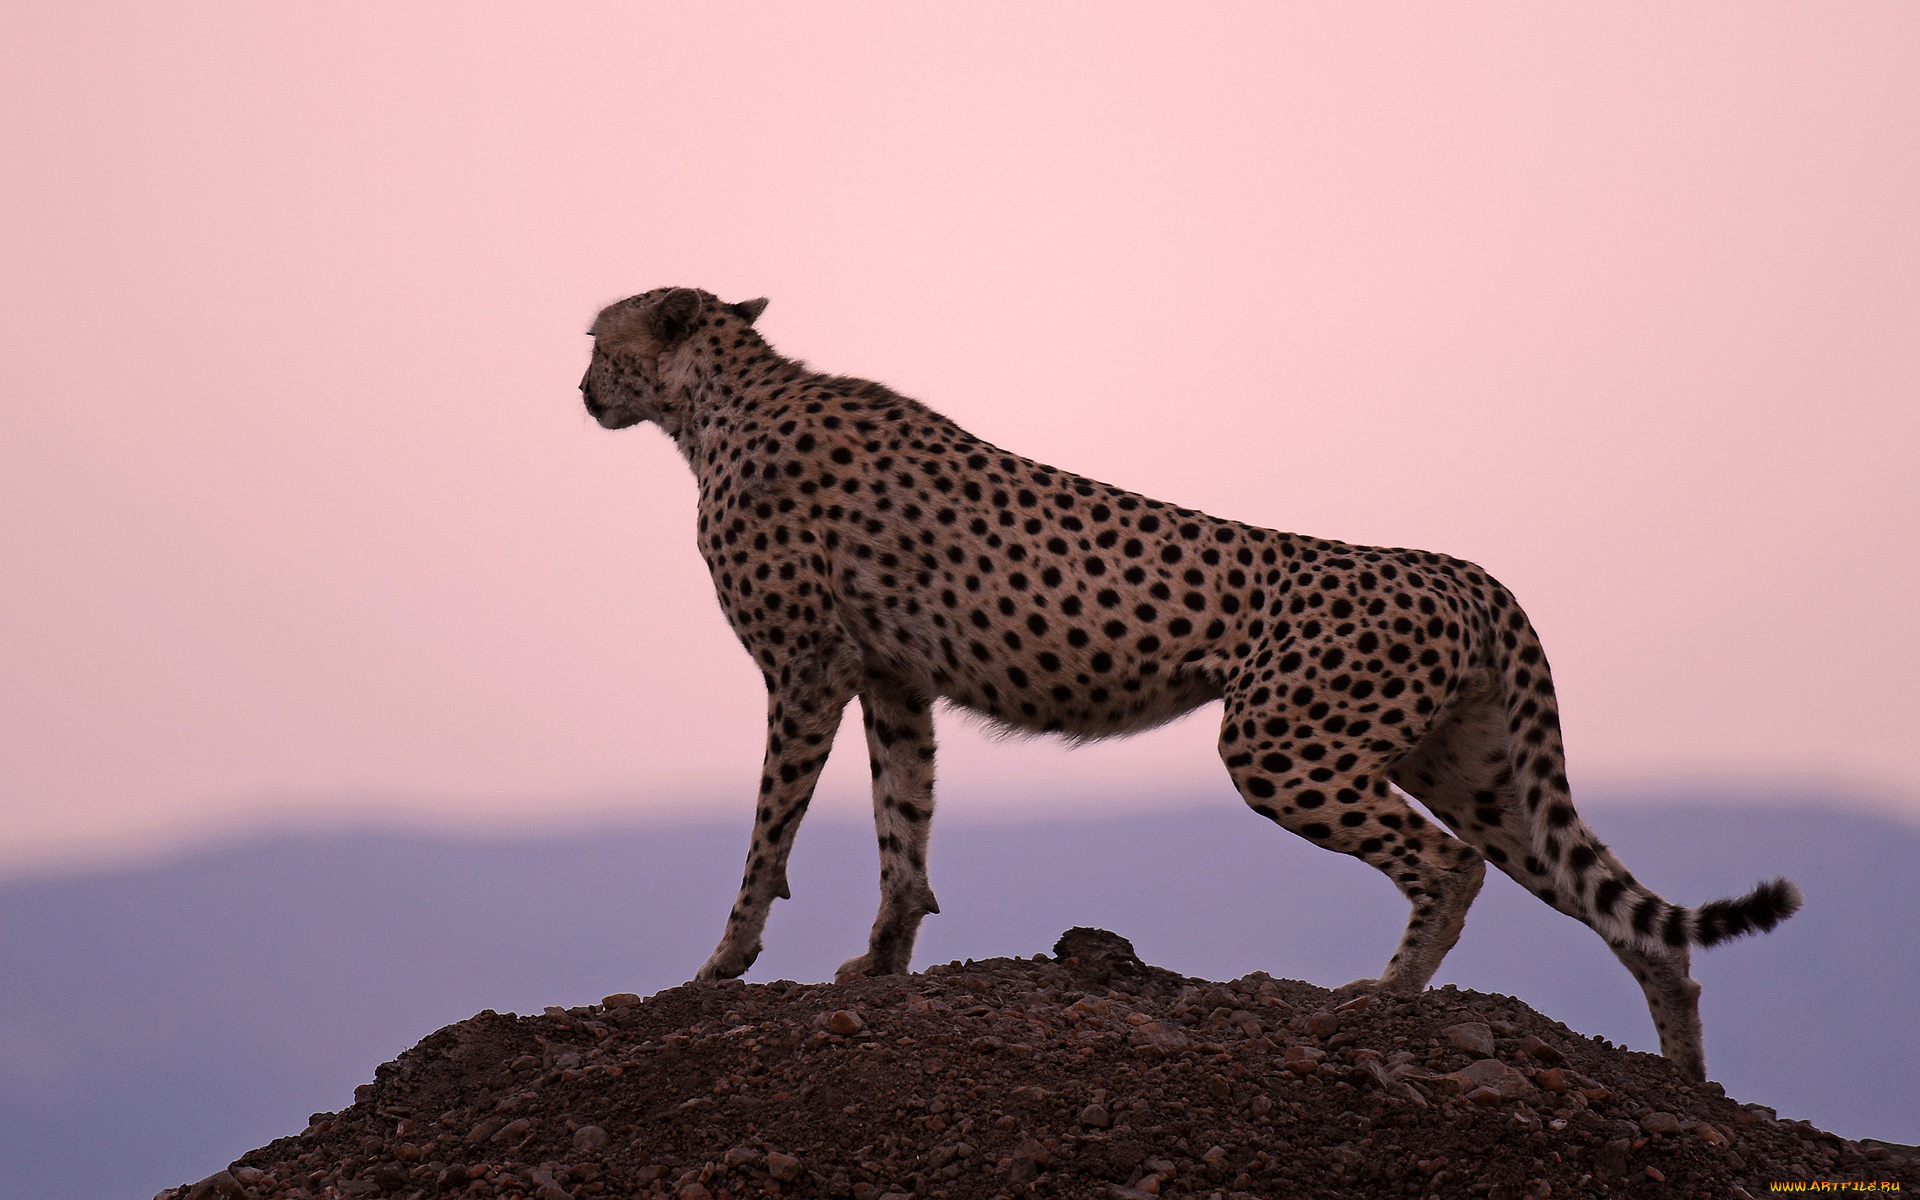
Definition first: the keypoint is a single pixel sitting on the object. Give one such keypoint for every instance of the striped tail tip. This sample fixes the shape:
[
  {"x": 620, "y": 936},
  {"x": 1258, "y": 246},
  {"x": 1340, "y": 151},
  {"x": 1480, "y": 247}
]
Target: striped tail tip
[{"x": 1756, "y": 912}]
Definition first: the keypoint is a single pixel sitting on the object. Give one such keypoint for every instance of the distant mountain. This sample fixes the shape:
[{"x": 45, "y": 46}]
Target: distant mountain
[{"x": 145, "y": 1013}]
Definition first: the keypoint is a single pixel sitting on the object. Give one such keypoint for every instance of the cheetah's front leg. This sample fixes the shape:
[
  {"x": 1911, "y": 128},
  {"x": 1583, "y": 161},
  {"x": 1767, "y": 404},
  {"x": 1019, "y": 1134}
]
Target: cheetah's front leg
[
  {"x": 900, "y": 742},
  {"x": 803, "y": 712}
]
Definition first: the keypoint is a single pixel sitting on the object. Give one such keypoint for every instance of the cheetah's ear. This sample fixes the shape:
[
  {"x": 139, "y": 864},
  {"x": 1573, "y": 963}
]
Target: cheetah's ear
[
  {"x": 672, "y": 318},
  {"x": 749, "y": 310}
]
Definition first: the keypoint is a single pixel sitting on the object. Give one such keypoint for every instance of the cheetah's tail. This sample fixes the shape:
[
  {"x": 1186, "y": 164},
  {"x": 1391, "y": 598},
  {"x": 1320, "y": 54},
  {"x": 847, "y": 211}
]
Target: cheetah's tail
[
  {"x": 1626, "y": 912},
  {"x": 1580, "y": 875},
  {"x": 1756, "y": 912}
]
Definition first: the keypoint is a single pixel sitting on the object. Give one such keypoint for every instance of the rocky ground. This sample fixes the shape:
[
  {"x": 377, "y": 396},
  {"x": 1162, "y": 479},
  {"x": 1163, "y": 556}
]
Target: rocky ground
[{"x": 1083, "y": 1074}]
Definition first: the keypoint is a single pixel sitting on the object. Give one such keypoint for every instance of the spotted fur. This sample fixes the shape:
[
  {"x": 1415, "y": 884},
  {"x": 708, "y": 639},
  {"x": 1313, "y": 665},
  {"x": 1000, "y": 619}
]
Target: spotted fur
[{"x": 863, "y": 545}]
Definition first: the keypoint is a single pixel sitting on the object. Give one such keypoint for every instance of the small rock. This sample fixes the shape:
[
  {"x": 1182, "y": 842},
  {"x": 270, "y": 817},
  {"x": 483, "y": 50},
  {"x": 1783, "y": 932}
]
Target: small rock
[
  {"x": 621, "y": 1000},
  {"x": 221, "y": 1185},
  {"x": 512, "y": 1131},
  {"x": 845, "y": 1022},
  {"x": 1654, "y": 1174},
  {"x": 1506, "y": 1082},
  {"x": 1708, "y": 1134},
  {"x": 784, "y": 1167},
  {"x": 1095, "y": 1116},
  {"x": 694, "y": 1191},
  {"x": 589, "y": 1137},
  {"x": 1660, "y": 1122},
  {"x": 1541, "y": 1052},
  {"x": 1472, "y": 1036},
  {"x": 740, "y": 1156},
  {"x": 1156, "y": 1037},
  {"x": 1610, "y": 1161},
  {"x": 1389, "y": 1083},
  {"x": 1323, "y": 1024},
  {"x": 1105, "y": 953}
]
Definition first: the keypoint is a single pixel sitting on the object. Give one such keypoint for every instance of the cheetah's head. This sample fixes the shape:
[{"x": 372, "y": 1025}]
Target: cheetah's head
[{"x": 638, "y": 369}]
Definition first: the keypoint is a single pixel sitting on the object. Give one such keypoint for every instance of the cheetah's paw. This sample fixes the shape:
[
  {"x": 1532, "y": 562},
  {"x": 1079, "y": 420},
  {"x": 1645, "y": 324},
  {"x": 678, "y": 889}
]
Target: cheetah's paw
[
  {"x": 725, "y": 963},
  {"x": 854, "y": 968}
]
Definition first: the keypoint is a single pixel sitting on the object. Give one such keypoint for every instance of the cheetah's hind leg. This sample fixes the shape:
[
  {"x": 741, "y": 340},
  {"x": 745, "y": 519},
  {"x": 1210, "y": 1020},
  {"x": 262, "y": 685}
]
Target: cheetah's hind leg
[
  {"x": 1339, "y": 797},
  {"x": 899, "y": 727}
]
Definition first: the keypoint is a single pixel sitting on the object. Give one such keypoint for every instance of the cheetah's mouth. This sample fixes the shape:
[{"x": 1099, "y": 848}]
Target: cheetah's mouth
[
  {"x": 609, "y": 419},
  {"x": 602, "y": 413}
]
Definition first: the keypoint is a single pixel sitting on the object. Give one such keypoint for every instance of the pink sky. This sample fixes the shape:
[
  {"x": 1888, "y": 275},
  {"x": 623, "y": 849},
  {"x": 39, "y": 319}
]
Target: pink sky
[{"x": 301, "y": 519}]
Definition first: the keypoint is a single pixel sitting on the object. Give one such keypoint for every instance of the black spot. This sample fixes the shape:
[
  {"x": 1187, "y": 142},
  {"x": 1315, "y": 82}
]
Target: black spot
[
  {"x": 1676, "y": 931},
  {"x": 1645, "y": 912},
  {"x": 1607, "y": 895}
]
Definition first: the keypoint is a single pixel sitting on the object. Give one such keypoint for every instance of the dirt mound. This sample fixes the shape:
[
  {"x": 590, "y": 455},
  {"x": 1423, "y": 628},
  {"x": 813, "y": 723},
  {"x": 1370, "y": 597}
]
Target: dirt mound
[{"x": 1086, "y": 1075}]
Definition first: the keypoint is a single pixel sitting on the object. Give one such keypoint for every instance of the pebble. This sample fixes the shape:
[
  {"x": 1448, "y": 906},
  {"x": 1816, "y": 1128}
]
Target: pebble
[
  {"x": 845, "y": 1022},
  {"x": 512, "y": 1131},
  {"x": 221, "y": 1185},
  {"x": 783, "y": 1167},
  {"x": 1489, "y": 1073},
  {"x": 1660, "y": 1122},
  {"x": 1302, "y": 1060},
  {"x": 1095, "y": 1116},
  {"x": 1471, "y": 1036},
  {"x": 1156, "y": 1037},
  {"x": 589, "y": 1137},
  {"x": 1539, "y": 1051}
]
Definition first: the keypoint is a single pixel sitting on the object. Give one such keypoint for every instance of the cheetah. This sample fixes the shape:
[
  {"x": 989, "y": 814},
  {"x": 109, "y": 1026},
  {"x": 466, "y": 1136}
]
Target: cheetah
[{"x": 865, "y": 546}]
